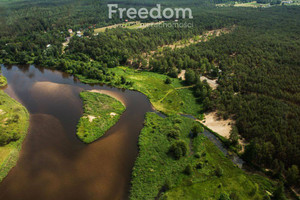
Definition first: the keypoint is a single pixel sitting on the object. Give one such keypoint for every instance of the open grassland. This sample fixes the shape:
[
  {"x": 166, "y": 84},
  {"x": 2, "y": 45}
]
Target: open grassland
[
  {"x": 129, "y": 25},
  {"x": 252, "y": 4},
  {"x": 100, "y": 113},
  {"x": 203, "y": 173},
  {"x": 167, "y": 98},
  {"x": 14, "y": 122}
]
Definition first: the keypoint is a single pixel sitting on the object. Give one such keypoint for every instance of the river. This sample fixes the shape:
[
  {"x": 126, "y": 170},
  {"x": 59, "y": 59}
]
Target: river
[{"x": 53, "y": 163}]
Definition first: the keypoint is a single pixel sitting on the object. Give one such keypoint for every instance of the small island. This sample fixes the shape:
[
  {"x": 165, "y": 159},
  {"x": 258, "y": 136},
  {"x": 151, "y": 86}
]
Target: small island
[{"x": 101, "y": 112}]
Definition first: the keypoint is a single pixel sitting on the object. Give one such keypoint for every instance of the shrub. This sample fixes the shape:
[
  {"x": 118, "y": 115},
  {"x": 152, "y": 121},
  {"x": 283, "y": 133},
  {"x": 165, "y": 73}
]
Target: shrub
[
  {"x": 178, "y": 149},
  {"x": 197, "y": 155},
  {"x": 199, "y": 165},
  {"x": 195, "y": 130},
  {"x": 168, "y": 81},
  {"x": 224, "y": 196},
  {"x": 234, "y": 196},
  {"x": 167, "y": 186},
  {"x": 173, "y": 134},
  {"x": 292, "y": 176},
  {"x": 219, "y": 171},
  {"x": 188, "y": 170}
]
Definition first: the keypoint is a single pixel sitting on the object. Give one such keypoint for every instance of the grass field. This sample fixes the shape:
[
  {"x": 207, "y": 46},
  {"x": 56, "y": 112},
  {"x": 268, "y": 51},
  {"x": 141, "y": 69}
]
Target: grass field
[
  {"x": 100, "y": 113},
  {"x": 129, "y": 25},
  {"x": 157, "y": 174},
  {"x": 167, "y": 98},
  {"x": 252, "y": 4},
  {"x": 14, "y": 122}
]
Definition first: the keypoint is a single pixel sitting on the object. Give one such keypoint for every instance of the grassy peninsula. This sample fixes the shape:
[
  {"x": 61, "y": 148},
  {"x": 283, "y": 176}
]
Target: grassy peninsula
[
  {"x": 14, "y": 122},
  {"x": 100, "y": 113},
  {"x": 174, "y": 163}
]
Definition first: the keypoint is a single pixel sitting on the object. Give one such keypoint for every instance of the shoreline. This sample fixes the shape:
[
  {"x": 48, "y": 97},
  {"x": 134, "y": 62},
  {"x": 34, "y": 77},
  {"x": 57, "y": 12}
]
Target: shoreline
[{"x": 14, "y": 147}]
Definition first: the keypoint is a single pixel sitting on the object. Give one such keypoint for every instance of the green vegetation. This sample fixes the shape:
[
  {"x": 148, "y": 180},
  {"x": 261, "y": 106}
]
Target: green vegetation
[
  {"x": 256, "y": 65},
  {"x": 168, "y": 98},
  {"x": 14, "y": 122},
  {"x": 198, "y": 171},
  {"x": 100, "y": 113},
  {"x": 3, "y": 81}
]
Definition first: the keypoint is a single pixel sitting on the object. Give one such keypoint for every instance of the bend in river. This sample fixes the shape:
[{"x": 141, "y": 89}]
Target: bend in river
[{"x": 53, "y": 163}]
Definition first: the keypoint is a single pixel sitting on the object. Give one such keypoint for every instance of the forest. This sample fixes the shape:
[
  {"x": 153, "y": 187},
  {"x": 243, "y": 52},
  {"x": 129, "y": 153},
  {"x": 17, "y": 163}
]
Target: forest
[{"x": 256, "y": 65}]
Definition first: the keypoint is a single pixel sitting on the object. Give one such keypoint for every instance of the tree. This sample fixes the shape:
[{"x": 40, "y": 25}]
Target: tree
[
  {"x": 197, "y": 128},
  {"x": 173, "y": 133},
  {"x": 207, "y": 104},
  {"x": 278, "y": 194},
  {"x": 188, "y": 170},
  {"x": 123, "y": 80},
  {"x": 190, "y": 76},
  {"x": 219, "y": 171},
  {"x": 292, "y": 175},
  {"x": 178, "y": 149},
  {"x": 234, "y": 136},
  {"x": 224, "y": 196},
  {"x": 168, "y": 81}
]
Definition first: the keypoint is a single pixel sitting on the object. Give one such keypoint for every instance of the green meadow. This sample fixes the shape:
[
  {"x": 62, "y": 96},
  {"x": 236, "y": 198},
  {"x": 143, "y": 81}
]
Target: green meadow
[
  {"x": 168, "y": 98},
  {"x": 100, "y": 113},
  {"x": 202, "y": 172},
  {"x": 14, "y": 122}
]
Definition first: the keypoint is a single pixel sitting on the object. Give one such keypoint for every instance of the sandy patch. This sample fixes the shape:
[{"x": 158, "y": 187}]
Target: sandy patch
[
  {"x": 220, "y": 126},
  {"x": 91, "y": 118},
  {"x": 1, "y": 112},
  {"x": 182, "y": 74},
  {"x": 113, "y": 114},
  {"x": 212, "y": 83}
]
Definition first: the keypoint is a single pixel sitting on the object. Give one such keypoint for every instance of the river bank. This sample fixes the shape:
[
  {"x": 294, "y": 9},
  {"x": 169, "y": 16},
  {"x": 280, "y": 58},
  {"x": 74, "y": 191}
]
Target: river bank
[
  {"x": 14, "y": 123},
  {"x": 203, "y": 167},
  {"x": 54, "y": 163}
]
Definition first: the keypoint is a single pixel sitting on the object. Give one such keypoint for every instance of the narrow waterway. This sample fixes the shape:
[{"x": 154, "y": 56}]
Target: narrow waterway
[{"x": 53, "y": 163}]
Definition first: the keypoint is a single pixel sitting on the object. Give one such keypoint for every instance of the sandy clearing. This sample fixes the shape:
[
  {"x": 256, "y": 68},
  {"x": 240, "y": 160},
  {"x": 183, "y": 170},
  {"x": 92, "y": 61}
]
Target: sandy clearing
[
  {"x": 202, "y": 38},
  {"x": 212, "y": 83},
  {"x": 220, "y": 126},
  {"x": 91, "y": 118},
  {"x": 182, "y": 74},
  {"x": 113, "y": 114},
  {"x": 2, "y": 112},
  {"x": 184, "y": 43},
  {"x": 129, "y": 25}
]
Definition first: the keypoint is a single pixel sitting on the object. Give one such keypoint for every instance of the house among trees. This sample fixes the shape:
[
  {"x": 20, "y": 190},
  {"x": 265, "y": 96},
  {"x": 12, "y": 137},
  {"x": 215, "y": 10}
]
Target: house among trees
[
  {"x": 70, "y": 31},
  {"x": 79, "y": 34}
]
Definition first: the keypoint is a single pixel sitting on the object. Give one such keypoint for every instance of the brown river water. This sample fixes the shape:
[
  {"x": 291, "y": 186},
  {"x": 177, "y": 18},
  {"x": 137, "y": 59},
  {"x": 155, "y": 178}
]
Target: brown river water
[{"x": 54, "y": 164}]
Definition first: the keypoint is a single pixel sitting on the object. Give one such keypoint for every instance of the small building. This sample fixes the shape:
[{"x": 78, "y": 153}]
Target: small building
[
  {"x": 70, "y": 31},
  {"x": 79, "y": 34},
  {"x": 48, "y": 45}
]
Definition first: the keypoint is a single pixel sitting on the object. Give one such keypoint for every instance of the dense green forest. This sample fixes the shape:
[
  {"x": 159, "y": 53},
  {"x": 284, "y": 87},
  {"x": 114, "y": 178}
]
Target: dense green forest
[{"x": 256, "y": 64}]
